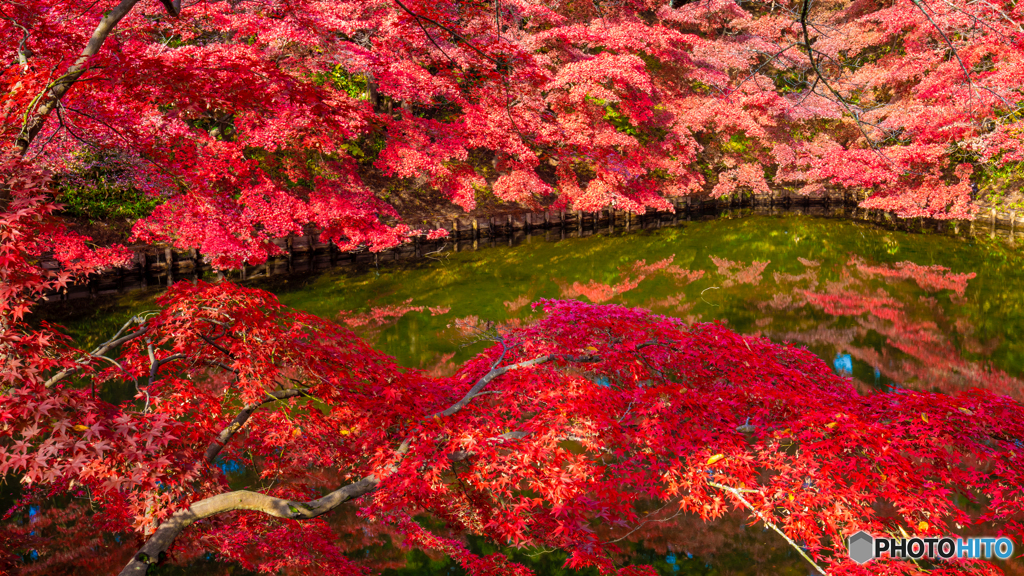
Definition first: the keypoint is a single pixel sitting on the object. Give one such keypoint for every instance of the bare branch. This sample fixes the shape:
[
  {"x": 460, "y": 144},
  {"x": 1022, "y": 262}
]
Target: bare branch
[
  {"x": 100, "y": 350},
  {"x": 453, "y": 33},
  {"x": 228, "y": 432},
  {"x": 736, "y": 492},
  {"x": 491, "y": 375}
]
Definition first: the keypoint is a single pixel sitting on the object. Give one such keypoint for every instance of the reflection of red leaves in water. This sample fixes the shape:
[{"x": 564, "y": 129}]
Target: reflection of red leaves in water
[
  {"x": 472, "y": 325},
  {"x": 736, "y": 273},
  {"x": 930, "y": 278},
  {"x": 675, "y": 305},
  {"x": 684, "y": 276},
  {"x": 597, "y": 292},
  {"x": 918, "y": 351},
  {"x": 809, "y": 275},
  {"x": 642, "y": 268},
  {"x": 780, "y": 301},
  {"x": 468, "y": 325},
  {"x": 518, "y": 303},
  {"x": 853, "y": 304},
  {"x": 383, "y": 316},
  {"x": 442, "y": 366},
  {"x": 632, "y": 276}
]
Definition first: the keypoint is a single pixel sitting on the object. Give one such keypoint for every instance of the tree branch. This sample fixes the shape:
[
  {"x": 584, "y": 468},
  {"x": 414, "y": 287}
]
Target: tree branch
[
  {"x": 491, "y": 375},
  {"x": 100, "y": 350},
  {"x": 34, "y": 120},
  {"x": 453, "y": 33},
  {"x": 967, "y": 73},
  {"x": 173, "y": 7},
  {"x": 169, "y": 529},
  {"x": 736, "y": 492},
  {"x": 23, "y": 51},
  {"x": 164, "y": 537},
  {"x": 217, "y": 346},
  {"x": 461, "y": 455},
  {"x": 228, "y": 432}
]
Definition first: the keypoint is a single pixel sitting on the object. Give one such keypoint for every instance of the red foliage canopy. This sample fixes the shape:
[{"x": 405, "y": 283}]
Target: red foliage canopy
[
  {"x": 575, "y": 420},
  {"x": 254, "y": 119}
]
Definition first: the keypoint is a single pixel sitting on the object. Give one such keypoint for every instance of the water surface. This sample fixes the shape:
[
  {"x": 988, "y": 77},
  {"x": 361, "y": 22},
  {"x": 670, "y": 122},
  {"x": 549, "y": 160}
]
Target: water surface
[{"x": 887, "y": 307}]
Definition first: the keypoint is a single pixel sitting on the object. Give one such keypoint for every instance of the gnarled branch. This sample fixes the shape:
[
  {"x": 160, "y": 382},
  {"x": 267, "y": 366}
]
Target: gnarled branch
[{"x": 169, "y": 529}]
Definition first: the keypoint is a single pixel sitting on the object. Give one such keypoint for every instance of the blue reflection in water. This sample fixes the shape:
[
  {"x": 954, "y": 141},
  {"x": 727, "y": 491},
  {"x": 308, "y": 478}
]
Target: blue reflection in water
[
  {"x": 843, "y": 364},
  {"x": 229, "y": 466}
]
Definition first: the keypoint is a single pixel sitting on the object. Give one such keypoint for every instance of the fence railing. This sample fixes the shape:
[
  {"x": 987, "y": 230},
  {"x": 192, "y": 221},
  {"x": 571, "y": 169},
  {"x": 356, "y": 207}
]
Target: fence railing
[{"x": 162, "y": 266}]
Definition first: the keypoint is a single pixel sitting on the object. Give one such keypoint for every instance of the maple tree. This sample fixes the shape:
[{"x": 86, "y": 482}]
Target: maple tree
[
  {"x": 251, "y": 121},
  {"x": 574, "y": 419}
]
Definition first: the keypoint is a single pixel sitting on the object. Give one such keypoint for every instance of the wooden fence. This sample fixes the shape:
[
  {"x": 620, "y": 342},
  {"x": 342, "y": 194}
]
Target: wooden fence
[{"x": 162, "y": 266}]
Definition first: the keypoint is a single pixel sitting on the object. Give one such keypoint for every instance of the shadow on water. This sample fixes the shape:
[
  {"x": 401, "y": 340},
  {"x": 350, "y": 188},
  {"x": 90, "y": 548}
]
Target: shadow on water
[{"x": 889, "y": 308}]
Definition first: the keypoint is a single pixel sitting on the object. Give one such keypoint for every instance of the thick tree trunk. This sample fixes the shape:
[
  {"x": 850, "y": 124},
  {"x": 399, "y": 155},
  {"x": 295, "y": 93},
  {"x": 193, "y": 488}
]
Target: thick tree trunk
[
  {"x": 161, "y": 540},
  {"x": 371, "y": 92}
]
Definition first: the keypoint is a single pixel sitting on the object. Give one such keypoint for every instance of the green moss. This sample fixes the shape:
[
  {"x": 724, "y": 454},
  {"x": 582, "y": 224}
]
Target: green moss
[
  {"x": 105, "y": 202},
  {"x": 100, "y": 190}
]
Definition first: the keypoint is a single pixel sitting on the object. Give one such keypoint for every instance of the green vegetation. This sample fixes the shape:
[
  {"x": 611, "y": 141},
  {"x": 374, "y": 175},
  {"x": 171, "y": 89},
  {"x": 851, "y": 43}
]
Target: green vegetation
[
  {"x": 106, "y": 201},
  {"x": 99, "y": 190},
  {"x": 353, "y": 84},
  {"x": 1000, "y": 184}
]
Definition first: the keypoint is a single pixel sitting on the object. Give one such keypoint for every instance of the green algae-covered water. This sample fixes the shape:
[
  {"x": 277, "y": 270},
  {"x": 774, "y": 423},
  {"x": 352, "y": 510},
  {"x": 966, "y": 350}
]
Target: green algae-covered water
[{"x": 888, "y": 308}]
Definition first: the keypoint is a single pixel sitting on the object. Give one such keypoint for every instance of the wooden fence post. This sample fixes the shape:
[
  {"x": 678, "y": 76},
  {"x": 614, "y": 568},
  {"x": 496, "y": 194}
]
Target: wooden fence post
[
  {"x": 144, "y": 269},
  {"x": 169, "y": 257}
]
